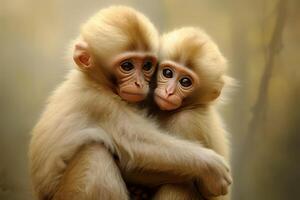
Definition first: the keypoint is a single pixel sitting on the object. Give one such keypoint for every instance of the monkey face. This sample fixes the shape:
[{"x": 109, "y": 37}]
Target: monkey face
[
  {"x": 174, "y": 83},
  {"x": 133, "y": 71}
]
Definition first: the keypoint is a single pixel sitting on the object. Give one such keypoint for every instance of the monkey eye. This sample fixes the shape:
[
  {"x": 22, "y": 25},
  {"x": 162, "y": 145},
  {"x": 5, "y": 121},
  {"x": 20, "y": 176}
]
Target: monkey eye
[
  {"x": 147, "y": 65},
  {"x": 127, "y": 66},
  {"x": 167, "y": 73},
  {"x": 185, "y": 82}
]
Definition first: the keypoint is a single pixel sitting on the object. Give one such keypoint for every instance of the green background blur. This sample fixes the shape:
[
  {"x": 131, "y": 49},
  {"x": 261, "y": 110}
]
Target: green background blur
[{"x": 260, "y": 38}]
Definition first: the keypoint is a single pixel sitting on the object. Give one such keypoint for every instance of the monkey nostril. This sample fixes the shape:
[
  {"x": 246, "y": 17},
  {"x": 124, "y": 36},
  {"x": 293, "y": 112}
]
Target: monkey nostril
[
  {"x": 168, "y": 92},
  {"x": 138, "y": 84}
]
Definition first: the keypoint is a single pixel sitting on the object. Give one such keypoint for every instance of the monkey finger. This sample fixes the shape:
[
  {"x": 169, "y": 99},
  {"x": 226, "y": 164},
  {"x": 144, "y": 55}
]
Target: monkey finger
[
  {"x": 228, "y": 179},
  {"x": 224, "y": 188}
]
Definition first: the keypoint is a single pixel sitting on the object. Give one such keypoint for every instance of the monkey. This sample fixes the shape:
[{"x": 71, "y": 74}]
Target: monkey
[
  {"x": 91, "y": 136},
  {"x": 189, "y": 80}
]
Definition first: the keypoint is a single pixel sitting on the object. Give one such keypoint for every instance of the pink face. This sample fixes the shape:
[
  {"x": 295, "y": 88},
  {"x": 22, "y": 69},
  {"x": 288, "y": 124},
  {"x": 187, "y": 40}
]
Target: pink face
[
  {"x": 133, "y": 71},
  {"x": 174, "y": 83}
]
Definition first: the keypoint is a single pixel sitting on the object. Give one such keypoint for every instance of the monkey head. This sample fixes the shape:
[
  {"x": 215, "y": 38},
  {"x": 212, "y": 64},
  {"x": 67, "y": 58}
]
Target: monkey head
[
  {"x": 191, "y": 70},
  {"x": 118, "y": 48}
]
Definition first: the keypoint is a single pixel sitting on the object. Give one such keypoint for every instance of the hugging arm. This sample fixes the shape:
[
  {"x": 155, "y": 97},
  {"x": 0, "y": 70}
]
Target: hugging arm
[{"x": 142, "y": 147}]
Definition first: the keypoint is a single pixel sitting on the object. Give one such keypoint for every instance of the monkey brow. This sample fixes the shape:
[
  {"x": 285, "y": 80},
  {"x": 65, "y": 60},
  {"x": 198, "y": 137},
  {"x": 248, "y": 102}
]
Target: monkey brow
[
  {"x": 135, "y": 54},
  {"x": 137, "y": 45}
]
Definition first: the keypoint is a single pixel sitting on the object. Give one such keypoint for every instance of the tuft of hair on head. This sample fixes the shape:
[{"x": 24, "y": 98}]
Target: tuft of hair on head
[
  {"x": 117, "y": 29},
  {"x": 181, "y": 45}
]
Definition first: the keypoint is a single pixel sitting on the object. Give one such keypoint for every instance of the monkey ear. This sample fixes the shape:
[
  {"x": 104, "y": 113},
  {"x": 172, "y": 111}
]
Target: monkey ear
[
  {"x": 216, "y": 91},
  {"x": 81, "y": 55},
  {"x": 215, "y": 94}
]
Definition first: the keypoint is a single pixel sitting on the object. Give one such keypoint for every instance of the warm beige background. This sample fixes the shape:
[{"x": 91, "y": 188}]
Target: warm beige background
[{"x": 266, "y": 160}]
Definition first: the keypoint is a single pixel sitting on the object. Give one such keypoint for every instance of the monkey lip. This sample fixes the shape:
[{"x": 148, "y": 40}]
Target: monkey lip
[
  {"x": 133, "y": 94},
  {"x": 132, "y": 97},
  {"x": 160, "y": 98}
]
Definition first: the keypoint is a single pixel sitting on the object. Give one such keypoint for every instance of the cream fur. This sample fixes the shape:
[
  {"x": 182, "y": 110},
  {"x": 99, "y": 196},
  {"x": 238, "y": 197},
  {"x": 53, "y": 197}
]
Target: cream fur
[
  {"x": 86, "y": 124},
  {"x": 198, "y": 119}
]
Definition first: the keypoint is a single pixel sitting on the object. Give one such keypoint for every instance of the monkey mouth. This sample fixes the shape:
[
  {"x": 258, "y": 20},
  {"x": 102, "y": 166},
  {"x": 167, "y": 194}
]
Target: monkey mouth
[
  {"x": 165, "y": 100},
  {"x": 133, "y": 94},
  {"x": 132, "y": 97}
]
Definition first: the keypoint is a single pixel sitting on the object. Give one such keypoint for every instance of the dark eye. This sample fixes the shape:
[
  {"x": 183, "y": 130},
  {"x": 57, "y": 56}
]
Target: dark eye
[
  {"x": 185, "y": 82},
  {"x": 147, "y": 65},
  {"x": 127, "y": 66},
  {"x": 167, "y": 73}
]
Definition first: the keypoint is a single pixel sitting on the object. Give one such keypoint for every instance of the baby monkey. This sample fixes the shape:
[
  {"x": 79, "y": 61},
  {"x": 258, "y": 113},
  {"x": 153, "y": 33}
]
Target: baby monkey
[
  {"x": 91, "y": 136},
  {"x": 190, "y": 77}
]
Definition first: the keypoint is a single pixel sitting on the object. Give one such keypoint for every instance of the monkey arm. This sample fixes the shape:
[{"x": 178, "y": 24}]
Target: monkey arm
[
  {"x": 51, "y": 149},
  {"x": 143, "y": 147},
  {"x": 170, "y": 156},
  {"x": 89, "y": 168}
]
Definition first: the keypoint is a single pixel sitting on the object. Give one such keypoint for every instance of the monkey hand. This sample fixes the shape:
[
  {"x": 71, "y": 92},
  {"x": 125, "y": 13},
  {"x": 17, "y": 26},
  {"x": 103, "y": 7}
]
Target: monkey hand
[{"x": 215, "y": 176}]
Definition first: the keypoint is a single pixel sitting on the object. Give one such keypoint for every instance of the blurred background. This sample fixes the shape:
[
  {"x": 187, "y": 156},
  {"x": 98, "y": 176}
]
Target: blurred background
[{"x": 260, "y": 38}]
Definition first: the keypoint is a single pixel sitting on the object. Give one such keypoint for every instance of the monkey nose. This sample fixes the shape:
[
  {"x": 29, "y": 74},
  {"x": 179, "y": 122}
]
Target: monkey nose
[
  {"x": 138, "y": 84},
  {"x": 169, "y": 92}
]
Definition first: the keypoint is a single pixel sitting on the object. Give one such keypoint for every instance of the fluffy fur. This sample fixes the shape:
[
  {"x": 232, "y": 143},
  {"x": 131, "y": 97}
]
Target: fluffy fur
[
  {"x": 88, "y": 137},
  {"x": 197, "y": 119}
]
